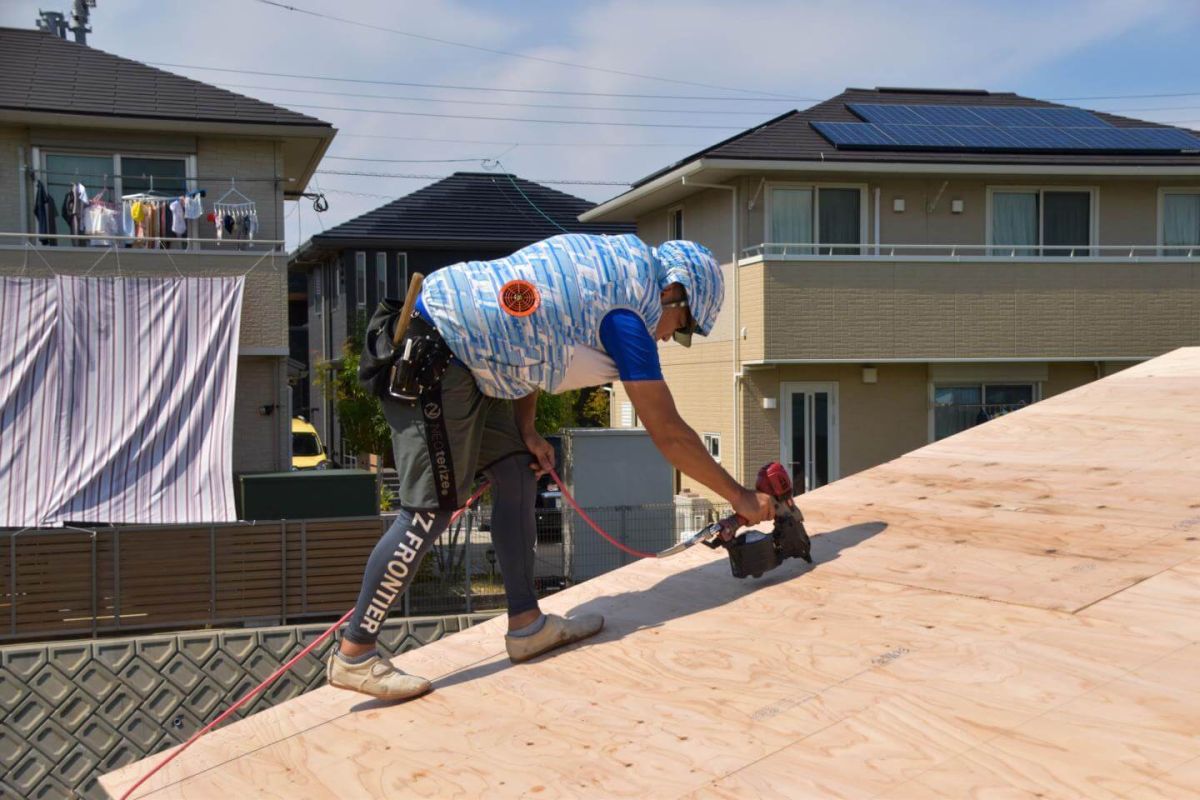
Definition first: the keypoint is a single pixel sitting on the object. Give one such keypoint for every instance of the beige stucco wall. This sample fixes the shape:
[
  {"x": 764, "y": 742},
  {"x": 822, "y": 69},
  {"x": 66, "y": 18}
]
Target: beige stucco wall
[
  {"x": 12, "y": 139},
  {"x": 881, "y": 309},
  {"x": 1126, "y": 208},
  {"x": 258, "y": 443}
]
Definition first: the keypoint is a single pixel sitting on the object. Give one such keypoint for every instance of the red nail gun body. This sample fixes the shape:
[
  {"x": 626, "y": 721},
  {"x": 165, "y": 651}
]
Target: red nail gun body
[{"x": 753, "y": 553}]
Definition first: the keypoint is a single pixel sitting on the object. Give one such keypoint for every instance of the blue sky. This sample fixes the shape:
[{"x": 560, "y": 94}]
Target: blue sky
[{"x": 1051, "y": 50}]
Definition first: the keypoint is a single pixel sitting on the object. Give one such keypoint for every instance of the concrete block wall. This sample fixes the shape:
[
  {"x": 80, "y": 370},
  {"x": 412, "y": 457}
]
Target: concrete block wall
[
  {"x": 77, "y": 709},
  {"x": 258, "y": 440}
]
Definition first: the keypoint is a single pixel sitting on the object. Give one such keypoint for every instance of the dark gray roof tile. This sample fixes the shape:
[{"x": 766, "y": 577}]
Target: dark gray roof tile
[
  {"x": 482, "y": 207},
  {"x": 42, "y": 72}
]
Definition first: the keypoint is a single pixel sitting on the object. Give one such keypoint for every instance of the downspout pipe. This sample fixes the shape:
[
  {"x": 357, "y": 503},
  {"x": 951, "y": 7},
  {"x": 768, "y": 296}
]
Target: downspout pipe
[{"x": 738, "y": 374}]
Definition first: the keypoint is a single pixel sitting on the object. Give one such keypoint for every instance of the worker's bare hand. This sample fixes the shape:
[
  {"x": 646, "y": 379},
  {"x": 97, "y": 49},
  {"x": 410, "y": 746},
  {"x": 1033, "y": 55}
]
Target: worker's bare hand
[
  {"x": 755, "y": 507},
  {"x": 543, "y": 453}
]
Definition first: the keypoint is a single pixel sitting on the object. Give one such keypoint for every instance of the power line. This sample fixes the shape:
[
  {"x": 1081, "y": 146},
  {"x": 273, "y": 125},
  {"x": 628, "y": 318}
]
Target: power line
[
  {"x": 413, "y": 160},
  {"x": 522, "y": 119},
  {"x": 507, "y": 53},
  {"x": 412, "y": 176},
  {"x": 1125, "y": 96},
  {"x": 496, "y": 103},
  {"x": 462, "y": 88},
  {"x": 522, "y": 144}
]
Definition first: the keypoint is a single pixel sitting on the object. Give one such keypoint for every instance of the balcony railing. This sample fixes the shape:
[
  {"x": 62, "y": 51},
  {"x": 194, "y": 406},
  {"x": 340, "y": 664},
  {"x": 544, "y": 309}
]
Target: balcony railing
[
  {"x": 98, "y": 243},
  {"x": 775, "y": 251}
]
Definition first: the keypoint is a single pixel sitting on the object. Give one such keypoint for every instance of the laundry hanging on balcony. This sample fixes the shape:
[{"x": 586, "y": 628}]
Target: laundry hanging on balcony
[{"x": 116, "y": 399}]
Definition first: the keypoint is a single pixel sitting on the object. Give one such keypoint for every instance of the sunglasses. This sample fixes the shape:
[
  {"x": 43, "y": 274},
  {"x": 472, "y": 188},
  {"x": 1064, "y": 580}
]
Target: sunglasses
[{"x": 683, "y": 335}]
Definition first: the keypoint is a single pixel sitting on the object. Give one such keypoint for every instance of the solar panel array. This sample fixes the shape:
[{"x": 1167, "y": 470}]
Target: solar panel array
[{"x": 996, "y": 128}]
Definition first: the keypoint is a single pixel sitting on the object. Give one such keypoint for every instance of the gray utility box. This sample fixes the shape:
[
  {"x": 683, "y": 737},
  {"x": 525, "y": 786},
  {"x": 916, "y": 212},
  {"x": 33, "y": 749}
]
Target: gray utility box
[{"x": 618, "y": 476}]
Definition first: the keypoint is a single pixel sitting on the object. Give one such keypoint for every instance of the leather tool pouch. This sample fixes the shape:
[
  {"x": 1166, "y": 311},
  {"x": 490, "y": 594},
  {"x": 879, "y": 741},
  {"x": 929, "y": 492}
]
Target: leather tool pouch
[
  {"x": 420, "y": 362},
  {"x": 401, "y": 373}
]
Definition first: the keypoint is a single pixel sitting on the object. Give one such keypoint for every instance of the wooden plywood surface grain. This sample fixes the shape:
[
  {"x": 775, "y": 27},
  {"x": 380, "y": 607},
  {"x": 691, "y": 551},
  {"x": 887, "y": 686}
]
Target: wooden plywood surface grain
[{"x": 1011, "y": 612}]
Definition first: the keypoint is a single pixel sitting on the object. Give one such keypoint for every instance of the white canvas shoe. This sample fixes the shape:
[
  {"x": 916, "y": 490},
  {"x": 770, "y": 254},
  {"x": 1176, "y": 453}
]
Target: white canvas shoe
[
  {"x": 376, "y": 677},
  {"x": 556, "y": 632}
]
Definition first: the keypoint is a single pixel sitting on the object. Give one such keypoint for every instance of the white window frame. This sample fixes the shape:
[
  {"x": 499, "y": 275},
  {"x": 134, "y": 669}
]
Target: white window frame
[
  {"x": 381, "y": 276},
  {"x": 1161, "y": 221},
  {"x": 1093, "y": 222},
  {"x": 832, "y": 388},
  {"x": 712, "y": 442},
  {"x": 863, "y": 212},
  {"x": 674, "y": 232},
  {"x": 931, "y": 430},
  {"x": 360, "y": 279}
]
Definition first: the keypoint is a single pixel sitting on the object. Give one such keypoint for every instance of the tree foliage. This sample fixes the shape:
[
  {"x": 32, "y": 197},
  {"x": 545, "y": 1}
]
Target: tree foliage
[{"x": 364, "y": 428}]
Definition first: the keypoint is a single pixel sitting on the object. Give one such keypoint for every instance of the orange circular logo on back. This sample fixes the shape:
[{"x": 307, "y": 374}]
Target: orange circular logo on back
[{"x": 519, "y": 298}]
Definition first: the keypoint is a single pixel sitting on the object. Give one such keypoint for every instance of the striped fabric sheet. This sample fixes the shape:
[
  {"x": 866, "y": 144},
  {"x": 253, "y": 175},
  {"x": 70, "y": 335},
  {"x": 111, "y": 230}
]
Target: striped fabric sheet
[{"x": 134, "y": 390}]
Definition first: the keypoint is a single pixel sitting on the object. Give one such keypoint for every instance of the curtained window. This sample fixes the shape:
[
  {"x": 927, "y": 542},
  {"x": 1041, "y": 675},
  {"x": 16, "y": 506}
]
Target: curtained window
[
  {"x": 1041, "y": 222},
  {"x": 1181, "y": 223},
  {"x": 803, "y": 219}
]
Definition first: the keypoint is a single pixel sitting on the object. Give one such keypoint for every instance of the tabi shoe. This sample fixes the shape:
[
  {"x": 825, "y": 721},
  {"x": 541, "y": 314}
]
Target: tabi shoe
[
  {"x": 376, "y": 677},
  {"x": 556, "y": 632}
]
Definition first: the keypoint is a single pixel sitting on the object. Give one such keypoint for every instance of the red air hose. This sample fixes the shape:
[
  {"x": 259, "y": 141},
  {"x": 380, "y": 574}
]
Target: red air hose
[{"x": 329, "y": 632}]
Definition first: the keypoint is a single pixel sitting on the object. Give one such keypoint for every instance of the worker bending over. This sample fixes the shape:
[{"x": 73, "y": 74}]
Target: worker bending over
[{"x": 565, "y": 313}]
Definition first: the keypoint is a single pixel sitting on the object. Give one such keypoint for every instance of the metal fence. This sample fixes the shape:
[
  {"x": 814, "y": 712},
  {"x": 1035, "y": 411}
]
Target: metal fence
[{"x": 63, "y": 582}]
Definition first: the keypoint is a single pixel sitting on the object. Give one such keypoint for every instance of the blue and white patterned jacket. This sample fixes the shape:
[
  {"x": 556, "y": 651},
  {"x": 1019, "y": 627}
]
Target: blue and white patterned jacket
[{"x": 579, "y": 279}]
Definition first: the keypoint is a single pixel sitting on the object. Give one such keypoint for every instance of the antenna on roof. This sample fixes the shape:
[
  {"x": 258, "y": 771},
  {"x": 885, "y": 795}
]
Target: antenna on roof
[{"x": 56, "y": 23}]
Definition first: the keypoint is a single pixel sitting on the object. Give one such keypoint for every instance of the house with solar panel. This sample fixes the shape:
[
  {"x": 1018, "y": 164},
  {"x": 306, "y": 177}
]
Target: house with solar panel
[
  {"x": 903, "y": 264},
  {"x": 339, "y": 276}
]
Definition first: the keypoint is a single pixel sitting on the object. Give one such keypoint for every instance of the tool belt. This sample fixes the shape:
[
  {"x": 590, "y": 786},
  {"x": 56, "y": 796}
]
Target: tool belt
[
  {"x": 402, "y": 371},
  {"x": 421, "y": 360}
]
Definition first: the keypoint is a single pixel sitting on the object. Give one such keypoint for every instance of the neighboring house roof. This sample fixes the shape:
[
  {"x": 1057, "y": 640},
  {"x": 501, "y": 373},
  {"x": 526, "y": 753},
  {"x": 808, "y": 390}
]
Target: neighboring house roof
[
  {"x": 43, "y": 72},
  {"x": 790, "y": 137},
  {"x": 469, "y": 208},
  {"x": 790, "y": 142}
]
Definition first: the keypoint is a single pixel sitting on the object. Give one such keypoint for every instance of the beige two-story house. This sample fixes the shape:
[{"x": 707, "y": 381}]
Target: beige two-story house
[
  {"x": 902, "y": 264},
  {"x": 74, "y": 115}
]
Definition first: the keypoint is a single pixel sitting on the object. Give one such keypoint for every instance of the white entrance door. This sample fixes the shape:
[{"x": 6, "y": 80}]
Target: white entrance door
[{"x": 808, "y": 445}]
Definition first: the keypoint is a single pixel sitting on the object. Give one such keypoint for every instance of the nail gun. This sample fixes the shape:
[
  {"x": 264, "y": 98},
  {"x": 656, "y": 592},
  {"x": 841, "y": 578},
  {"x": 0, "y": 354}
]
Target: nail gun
[{"x": 752, "y": 553}]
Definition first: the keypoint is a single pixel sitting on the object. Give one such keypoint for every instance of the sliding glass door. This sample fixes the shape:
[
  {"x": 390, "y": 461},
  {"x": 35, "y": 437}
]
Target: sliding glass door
[
  {"x": 1050, "y": 222},
  {"x": 808, "y": 220}
]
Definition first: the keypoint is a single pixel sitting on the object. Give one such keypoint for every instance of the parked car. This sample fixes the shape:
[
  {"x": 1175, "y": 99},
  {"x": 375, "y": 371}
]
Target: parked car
[{"x": 307, "y": 450}]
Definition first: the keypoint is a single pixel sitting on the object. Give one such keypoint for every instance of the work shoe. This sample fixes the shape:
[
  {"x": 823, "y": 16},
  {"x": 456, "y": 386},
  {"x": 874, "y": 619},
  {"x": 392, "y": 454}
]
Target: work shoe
[
  {"x": 556, "y": 632},
  {"x": 376, "y": 677}
]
